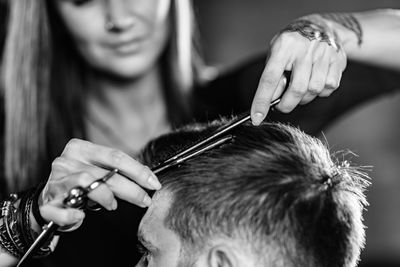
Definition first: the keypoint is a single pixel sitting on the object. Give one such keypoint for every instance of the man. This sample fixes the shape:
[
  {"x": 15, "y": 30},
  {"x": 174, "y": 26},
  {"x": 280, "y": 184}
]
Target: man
[{"x": 273, "y": 196}]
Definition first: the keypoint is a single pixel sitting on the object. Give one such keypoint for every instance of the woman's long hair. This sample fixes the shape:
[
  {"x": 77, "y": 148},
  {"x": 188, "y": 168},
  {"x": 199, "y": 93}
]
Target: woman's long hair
[{"x": 44, "y": 86}]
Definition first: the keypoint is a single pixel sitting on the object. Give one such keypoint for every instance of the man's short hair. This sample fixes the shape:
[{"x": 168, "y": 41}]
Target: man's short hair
[{"x": 273, "y": 188}]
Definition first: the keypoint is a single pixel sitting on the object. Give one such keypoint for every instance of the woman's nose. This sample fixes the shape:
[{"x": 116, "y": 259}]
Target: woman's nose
[{"x": 118, "y": 16}]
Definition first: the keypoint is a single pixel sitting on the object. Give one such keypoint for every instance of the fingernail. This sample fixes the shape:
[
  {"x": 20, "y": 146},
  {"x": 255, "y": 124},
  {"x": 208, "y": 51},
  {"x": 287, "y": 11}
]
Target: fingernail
[
  {"x": 257, "y": 118},
  {"x": 114, "y": 205},
  {"x": 147, "y": 200},
  {"x": 153, "y": 182}
]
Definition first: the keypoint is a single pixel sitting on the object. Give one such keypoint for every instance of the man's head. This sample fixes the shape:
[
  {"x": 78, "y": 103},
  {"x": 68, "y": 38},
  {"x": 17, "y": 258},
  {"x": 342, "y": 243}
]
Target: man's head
[{"x": 271, "y": 197}]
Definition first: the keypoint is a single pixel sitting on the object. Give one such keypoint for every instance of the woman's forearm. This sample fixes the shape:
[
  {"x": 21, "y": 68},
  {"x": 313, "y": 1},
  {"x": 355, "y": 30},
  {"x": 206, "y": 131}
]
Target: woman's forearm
[
  {"x": 6, "y": 259},
  {"x": 381, "y": 38},
  {"x": 372, "y": 37}
]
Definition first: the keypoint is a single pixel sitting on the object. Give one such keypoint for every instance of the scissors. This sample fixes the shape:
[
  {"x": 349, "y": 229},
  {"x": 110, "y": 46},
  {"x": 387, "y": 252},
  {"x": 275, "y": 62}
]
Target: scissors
[{"x": 77, "y": 197}]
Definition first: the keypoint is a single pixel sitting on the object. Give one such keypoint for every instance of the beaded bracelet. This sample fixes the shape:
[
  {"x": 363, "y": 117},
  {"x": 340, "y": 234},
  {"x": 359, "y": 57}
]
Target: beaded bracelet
[
  {"x": 6, "y": 237},
  {"x": 12, "y": 226},
  {"x": 6, "y": 242},
  {"x": 16, "y": 235}
]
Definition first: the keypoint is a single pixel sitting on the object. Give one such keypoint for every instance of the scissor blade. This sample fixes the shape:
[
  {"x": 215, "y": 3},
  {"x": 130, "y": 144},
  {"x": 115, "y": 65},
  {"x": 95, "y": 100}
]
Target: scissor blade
[
  {"x": 244, "y": 117},
  {"x": 207, "y": 147}
]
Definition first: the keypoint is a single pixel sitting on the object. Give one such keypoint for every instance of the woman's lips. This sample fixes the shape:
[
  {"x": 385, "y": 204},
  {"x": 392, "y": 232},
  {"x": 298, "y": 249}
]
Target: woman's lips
[{"x": 127, "y": 47}]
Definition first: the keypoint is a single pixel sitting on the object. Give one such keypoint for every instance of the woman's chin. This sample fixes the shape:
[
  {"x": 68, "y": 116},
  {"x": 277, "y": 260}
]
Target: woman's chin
[{"x": 125, "y": 71}]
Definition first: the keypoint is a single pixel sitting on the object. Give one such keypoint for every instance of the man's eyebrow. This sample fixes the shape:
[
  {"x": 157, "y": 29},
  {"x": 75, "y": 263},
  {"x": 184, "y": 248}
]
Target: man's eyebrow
[{"x": 144, "y": 241}]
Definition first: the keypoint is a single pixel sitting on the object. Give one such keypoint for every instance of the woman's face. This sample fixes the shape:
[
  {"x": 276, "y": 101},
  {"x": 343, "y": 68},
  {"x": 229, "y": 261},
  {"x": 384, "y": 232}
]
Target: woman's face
[{"x": 123, "y": 38}]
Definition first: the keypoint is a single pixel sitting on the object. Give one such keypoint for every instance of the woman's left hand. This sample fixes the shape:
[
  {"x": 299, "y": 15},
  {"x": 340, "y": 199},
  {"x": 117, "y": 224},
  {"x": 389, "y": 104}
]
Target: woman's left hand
[{"x": 311, "y": 51}]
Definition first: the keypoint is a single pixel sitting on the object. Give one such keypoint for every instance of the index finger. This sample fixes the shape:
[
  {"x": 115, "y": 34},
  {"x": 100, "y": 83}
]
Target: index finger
[
  {"x": 110, "y": 158},
  {"x": 267, "y": 86}
]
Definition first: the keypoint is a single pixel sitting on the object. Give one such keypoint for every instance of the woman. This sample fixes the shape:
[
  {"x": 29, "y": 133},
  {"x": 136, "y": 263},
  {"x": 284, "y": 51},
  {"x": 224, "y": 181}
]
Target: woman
[{"x": 118, "y": 73}]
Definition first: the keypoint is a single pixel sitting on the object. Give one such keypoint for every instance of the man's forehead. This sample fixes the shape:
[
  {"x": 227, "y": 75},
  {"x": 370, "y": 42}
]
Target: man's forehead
[
  {"x": 155, "y": 214},
  {"x": 163, "y": 243}
]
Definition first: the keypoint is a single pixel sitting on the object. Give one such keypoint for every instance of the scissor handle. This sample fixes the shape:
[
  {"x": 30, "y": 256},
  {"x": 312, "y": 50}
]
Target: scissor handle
[{"x": 78, "y": 196}]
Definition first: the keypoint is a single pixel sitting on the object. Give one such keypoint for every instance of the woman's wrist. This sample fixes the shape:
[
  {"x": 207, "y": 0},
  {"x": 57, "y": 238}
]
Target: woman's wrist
[
  {"x": 34, "y": 224},
  {"x": 18, "y": 226},
  {"x": 37, "y": 220}
]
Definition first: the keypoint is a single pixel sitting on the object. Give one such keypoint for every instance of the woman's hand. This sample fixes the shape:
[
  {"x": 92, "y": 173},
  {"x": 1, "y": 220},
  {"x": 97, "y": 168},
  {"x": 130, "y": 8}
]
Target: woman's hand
[
  {"x": 80, "y": 164},
  {"x": 311, "y": 51}
]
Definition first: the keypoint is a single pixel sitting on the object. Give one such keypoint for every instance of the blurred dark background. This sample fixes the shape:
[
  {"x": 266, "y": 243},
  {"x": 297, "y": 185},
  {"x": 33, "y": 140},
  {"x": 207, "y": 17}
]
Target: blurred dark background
[{"x": 233, "y": 30}]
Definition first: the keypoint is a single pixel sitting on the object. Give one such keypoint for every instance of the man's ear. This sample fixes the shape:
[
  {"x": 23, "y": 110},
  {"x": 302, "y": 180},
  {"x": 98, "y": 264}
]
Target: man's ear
[{"x": 222, "y": 256}]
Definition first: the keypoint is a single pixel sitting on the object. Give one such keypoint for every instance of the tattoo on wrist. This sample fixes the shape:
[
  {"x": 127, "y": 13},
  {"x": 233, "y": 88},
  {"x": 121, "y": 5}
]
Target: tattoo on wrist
[
  {"x": 348, "y": 21},
  {"x": 313, "y": 31}
]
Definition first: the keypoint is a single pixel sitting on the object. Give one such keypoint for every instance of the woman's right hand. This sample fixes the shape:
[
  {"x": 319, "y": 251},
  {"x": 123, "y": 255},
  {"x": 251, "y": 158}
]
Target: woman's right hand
[{"x": 83, "y": 162}]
